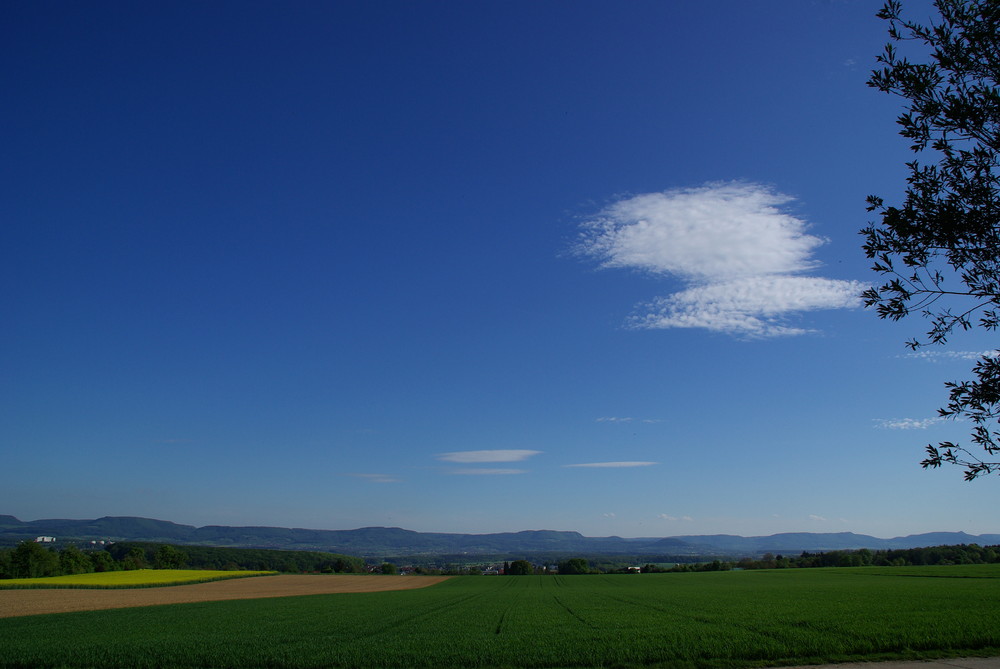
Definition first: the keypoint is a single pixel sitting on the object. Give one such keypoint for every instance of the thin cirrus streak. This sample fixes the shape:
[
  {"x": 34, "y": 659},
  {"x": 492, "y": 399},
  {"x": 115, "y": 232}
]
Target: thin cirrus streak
[{"x": 500, "y": 455}]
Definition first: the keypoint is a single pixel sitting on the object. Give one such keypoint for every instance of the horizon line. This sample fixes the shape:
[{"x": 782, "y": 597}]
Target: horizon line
[{"x": 607, "y": 536}]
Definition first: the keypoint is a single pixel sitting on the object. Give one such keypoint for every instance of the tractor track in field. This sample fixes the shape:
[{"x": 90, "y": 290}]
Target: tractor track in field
[
  {"x": 39, "y": 601},
  {"x": 580, "y": 619}
]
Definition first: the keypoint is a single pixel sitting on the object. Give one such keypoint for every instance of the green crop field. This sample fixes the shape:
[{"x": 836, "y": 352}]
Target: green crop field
[{"x": 712, "y": 619}]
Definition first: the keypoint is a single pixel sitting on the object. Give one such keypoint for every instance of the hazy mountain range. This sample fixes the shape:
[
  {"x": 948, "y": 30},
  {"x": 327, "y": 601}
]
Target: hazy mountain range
[{"x": 393, "y": 541}]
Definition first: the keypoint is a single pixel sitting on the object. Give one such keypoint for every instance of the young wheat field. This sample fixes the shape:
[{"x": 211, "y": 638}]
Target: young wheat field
[{"x": 710, "y": 620}]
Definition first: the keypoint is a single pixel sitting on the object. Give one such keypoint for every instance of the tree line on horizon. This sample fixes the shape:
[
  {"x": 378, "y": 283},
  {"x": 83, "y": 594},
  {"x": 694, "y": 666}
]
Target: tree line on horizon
[
  {"x": 864, "y": 557},
  {"x": 32, "y": 560}
]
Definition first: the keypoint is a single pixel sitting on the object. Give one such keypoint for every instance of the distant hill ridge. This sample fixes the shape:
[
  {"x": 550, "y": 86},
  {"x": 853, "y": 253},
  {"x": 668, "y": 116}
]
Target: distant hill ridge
[{"x": 395, "y": 541}]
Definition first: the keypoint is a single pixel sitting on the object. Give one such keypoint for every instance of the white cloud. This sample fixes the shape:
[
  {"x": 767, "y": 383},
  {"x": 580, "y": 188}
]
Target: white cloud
[
  {"x": 486, "y": 472},
  {"x": 733, "y": 247},
  {"x": 614, "y": 419},
  {"x": 511, "y": 455},
  {"x": 819, "y": 519},
  {"x": 750, "y": 306},
  {"x": 614, "y": 464},
  {"x": 935, "y": 356},
  {"x": 607, "y": 515},
  {"x": 713, "y": 232},
  {"x": 906, "y": 423},
  {"x": 668, "y": 517}
]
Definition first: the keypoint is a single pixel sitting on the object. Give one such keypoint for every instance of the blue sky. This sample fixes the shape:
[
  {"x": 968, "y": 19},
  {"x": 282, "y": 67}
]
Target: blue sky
[{"x": 460, "y": 267}]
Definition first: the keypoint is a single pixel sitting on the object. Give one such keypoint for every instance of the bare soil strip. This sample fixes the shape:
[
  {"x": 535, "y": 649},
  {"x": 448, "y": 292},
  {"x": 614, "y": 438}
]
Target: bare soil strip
[{"x": 33, "y": 602}]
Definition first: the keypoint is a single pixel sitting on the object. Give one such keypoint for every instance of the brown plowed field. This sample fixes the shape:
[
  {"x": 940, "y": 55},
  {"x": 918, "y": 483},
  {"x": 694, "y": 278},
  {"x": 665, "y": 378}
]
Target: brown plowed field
[{"x": 32, "y": 602}]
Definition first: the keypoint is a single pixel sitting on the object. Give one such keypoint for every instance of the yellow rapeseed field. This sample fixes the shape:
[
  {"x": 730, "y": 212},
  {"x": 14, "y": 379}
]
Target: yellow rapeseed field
[{"x": 139, "y": 578}]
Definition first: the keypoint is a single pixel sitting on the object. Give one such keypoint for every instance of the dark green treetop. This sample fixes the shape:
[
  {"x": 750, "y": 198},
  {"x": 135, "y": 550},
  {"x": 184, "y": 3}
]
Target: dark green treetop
[
  {"x": 520, "y": 568},
  {"x": 574, "y": 566}
]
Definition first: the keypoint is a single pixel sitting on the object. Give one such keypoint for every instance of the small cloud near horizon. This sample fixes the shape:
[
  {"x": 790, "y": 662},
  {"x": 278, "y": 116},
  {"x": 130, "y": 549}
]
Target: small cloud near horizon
[
  {"x": 668, "y": 517},
  {"x": 738, "y": 251},
  {"x": 626, "y": 419},
  {"x": 614, "y": 464},
  {"x": 486, "y": 472},
  {"x": 936, "y": 356},
  {"x": 906, "y": 423},
  {"x": 505, "y": 455}
]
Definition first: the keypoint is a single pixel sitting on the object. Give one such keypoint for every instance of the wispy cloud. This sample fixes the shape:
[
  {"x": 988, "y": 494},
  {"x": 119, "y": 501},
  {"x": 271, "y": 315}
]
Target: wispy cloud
[
  {"x": 376, "y": 478},
  {"x": 614, "y": 464},
  {"x": 754, "y": 306},
  {"x": 906, "y": 423},
  {"x": 732, "y": 245},
  {"x": 818, "y": 519},
  {"x": 668, "y": 517},
  {"x": 936, "y": 356},
  {"x": 627, "y": 419},
  {"x": 510, "y": 455},
  {"x": 486, "y": 472}
]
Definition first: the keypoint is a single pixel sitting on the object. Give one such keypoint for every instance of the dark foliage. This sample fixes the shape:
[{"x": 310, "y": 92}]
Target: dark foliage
[
  {"x": 31, "y": 560},
  {"x": 939, "y": 251},
  {"x": 574, "y": 566},
  {"x": 258, "y": 559},
  {"x": 519, "y": 568},
  {"x": 904, "y": 557}
]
